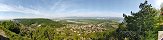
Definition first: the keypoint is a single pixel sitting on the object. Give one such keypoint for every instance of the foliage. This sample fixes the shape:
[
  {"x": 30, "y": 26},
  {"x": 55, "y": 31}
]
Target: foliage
[
  {"x": 39, "y": 21},
  {"x": 28, "y": 29},
  {"x": 141, "y": 25}
]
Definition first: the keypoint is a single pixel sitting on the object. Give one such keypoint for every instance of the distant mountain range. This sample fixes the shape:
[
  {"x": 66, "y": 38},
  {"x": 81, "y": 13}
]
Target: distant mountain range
[
  {"x": 76, "y": 17},
  {"x": 120, "y": 19}
]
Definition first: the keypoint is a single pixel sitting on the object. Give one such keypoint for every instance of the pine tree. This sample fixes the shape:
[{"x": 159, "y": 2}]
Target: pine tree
[{"x": 142, "y": 22}]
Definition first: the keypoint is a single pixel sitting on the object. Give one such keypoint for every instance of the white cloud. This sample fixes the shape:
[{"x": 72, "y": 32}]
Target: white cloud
[
  {"x": 4, "y": 7},
  {"x": 60, "y": 11},
  {"x": 56, "y": 4},
  {"x": 158, "y": 3},
  {"x": 88, "y": 14},
  {"x": 61, "y": 6},
  {"x": 21, "y": 9},
  {"x": 4, "y": 17},
  {"x": 9, "y": 8}
]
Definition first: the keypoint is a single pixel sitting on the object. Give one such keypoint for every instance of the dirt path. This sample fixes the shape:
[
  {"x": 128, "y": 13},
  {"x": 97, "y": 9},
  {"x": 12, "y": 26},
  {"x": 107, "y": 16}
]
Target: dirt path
[{"x": 2, "y": 33}]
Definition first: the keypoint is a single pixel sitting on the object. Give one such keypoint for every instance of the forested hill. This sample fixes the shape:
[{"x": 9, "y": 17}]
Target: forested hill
[{"x": 38, "y": 21}]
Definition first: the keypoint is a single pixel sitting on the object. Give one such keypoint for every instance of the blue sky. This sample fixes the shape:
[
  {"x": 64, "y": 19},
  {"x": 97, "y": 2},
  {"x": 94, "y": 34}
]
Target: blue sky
[{"x": 65, "y": 8}]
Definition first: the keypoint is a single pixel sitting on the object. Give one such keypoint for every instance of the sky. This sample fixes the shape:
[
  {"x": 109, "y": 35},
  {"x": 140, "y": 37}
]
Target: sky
[{"x": 66, "y": 8}]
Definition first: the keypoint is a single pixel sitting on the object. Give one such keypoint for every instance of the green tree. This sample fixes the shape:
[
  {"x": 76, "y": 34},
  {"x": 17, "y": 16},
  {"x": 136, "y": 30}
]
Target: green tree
[
  {"x": 143, "y": 23},
  {"x": 12, "y": 26}
]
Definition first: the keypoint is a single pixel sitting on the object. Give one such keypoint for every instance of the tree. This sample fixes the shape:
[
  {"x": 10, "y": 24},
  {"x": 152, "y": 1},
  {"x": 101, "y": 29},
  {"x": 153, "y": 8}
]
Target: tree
[
  {"x": 12, "y": 26},
  {"x": 141, "y": 23}
]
